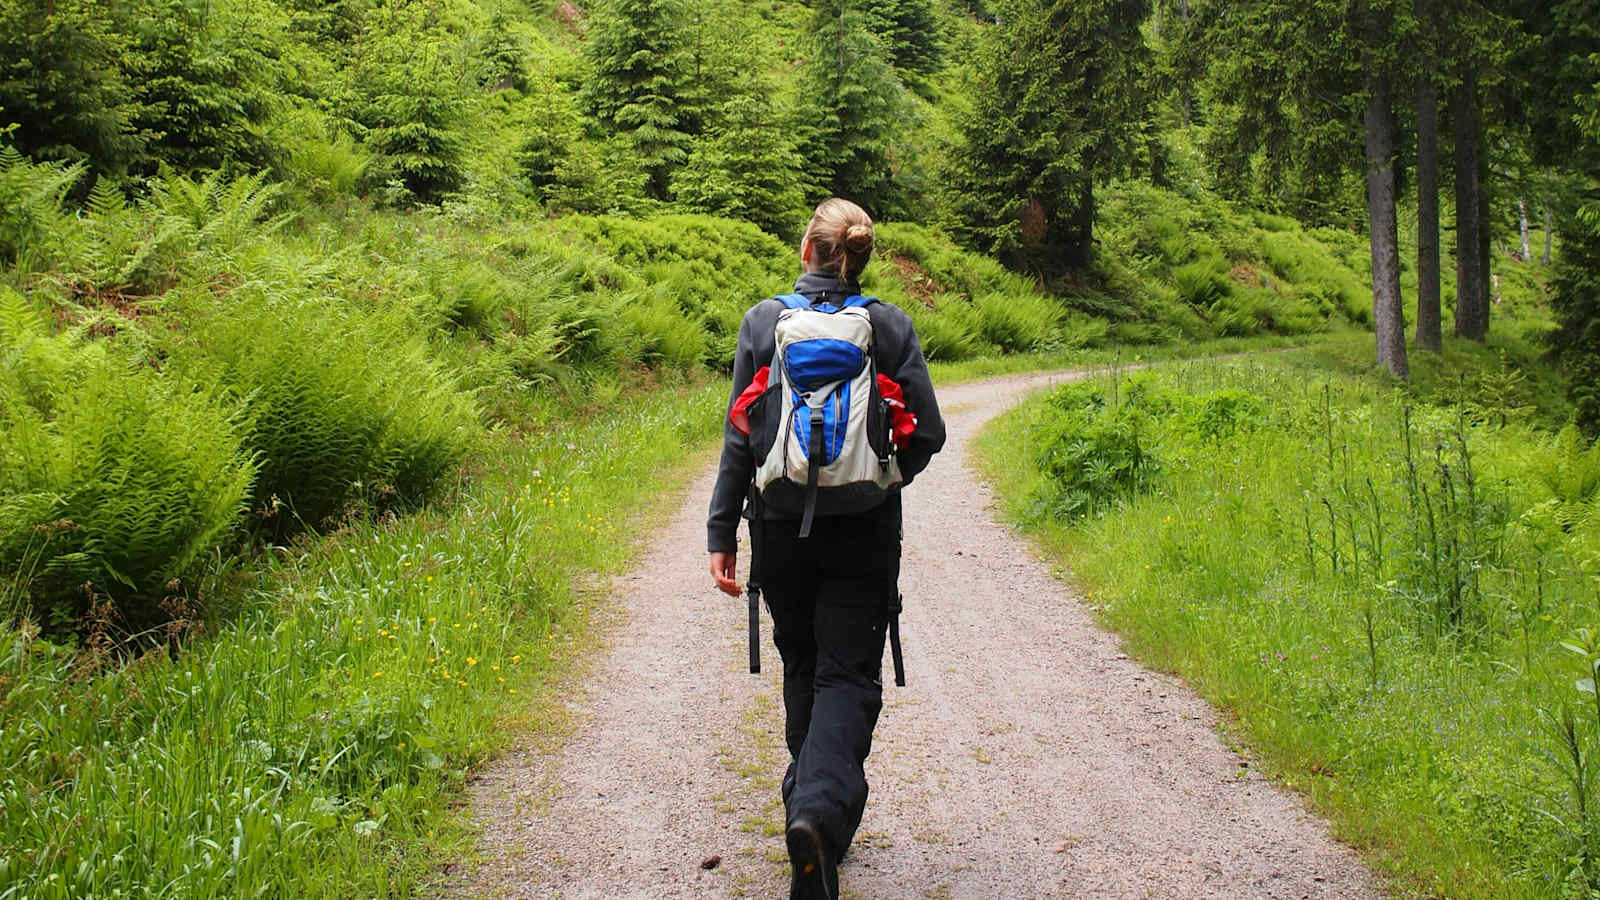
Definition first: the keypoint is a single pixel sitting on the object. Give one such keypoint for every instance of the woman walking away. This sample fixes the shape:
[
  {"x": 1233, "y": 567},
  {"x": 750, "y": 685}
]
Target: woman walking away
[{"x": 832, "y": 414}]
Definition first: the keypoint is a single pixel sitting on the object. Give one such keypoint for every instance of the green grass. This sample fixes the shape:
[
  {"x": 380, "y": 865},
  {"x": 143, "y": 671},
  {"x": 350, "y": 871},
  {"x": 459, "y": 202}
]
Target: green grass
[
  {"x": 1110, "y": 357},
  {"x": 1424, "y": 719},
  {"x": 310, "y": 747}
]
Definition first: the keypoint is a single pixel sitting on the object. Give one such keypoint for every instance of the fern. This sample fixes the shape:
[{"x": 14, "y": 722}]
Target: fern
[
  {"x": 109, "y": 478},
  {"x": 32, "y": 199}
]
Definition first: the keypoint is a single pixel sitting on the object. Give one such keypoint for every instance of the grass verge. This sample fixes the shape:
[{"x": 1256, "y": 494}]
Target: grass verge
[
  {"x": 1361, "y": 578},
  {"x": 311, "y": 746}
]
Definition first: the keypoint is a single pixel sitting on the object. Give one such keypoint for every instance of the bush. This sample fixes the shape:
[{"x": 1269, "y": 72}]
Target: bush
[
  {"x": 111, "y": 482},
  {"x": 343, "y": 410},
  {"x": 1092, "y": 454}
]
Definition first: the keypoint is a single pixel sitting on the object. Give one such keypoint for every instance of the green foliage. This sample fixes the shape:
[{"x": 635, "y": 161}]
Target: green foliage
[
  {"x": 1057, "y": 99},
  {"x": 748, "y": 168},
  {"x": 1090, "y": 456},
  {"x": 329, "y": 726},
  {"x": 31, "y": 205},
  {"x": 57, "y": 88},
  {"x": 914, "y": 37},
  {"x": 408, "y": 104},
  {"x": 344, "y": 412},
  {"x": 568, "y": 170},
  {"x": 854, "y": 106},
  {"x": 209, "y": 77},
  {"x": 638, "y": 77},
  {"x": 1360, "y": 580},
  {"x": 112, "y": 481}
]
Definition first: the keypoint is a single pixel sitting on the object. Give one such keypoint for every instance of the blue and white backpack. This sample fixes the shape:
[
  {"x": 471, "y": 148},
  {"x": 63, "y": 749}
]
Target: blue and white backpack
[{"x": 828, "y": 450}]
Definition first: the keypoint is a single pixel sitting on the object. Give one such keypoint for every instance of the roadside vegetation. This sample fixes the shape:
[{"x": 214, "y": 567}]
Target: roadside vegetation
[{"x": 1388, "y": 589}]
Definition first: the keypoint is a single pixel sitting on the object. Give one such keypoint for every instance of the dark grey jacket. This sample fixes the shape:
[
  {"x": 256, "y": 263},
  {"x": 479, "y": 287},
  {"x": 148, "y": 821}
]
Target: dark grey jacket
[{"x": 896, "y": 353}]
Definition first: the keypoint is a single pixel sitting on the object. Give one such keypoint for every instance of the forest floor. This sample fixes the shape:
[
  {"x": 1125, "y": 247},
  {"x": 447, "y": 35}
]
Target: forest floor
[{"x": 1028, "y": 756}]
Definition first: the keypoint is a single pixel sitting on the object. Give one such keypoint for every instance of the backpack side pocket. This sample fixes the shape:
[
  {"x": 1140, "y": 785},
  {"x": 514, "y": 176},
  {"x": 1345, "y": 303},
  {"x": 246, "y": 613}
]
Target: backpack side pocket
[
  {"x": 765, "y": 412},
  {"x": 878, "y": 423}
]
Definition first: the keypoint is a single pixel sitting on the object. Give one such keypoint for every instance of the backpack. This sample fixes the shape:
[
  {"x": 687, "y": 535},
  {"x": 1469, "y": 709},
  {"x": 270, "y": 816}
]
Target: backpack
[{"x": 825, "y": 430}]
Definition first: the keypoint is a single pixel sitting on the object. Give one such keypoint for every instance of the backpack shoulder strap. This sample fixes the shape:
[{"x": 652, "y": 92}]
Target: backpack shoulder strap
[
  {"x": 859, "y": 301},
  {"x": 794, "y": 301}
]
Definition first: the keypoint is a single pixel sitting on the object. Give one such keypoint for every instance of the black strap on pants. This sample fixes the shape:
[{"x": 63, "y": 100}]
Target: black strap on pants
[
  {"x": 753, "y": 587},
  {"x": 894, "y": 637}
]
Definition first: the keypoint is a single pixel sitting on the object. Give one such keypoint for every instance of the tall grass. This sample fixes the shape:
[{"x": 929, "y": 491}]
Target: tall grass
[
  {"x": 304, "y": 749},
  {"x": 1394, "y": 601}
]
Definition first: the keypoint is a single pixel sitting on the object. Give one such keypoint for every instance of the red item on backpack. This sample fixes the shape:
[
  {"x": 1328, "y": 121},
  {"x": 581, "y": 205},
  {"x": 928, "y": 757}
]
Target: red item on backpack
[
  {"x": 739, "y": 415},
  {"x": 903, "y": 421}
]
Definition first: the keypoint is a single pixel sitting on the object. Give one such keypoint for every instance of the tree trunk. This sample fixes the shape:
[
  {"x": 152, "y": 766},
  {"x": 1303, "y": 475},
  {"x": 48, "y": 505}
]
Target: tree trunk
[
  {"x": 1080, "y": 233},
  {"x": 1430, "y": 331},
  {"x": 1547, "y": 229},
  {"x": 1472, "y": 319},
  {"x": 1388, "y": 315},
  {"x": 1485, "y": 226},
  {"x": 1522, "y": 218}
]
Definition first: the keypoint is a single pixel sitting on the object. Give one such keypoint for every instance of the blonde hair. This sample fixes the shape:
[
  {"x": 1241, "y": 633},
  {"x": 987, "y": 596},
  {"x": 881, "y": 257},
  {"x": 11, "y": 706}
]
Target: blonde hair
[{"x": 840, "y": 233}]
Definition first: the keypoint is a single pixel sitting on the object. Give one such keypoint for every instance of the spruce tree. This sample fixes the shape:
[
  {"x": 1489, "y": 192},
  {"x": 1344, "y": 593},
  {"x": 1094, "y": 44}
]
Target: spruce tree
[
  {"x": 210, "y": 76},
  {"x": 854, "y": 105},
  {"x": 61, "y": 85},
  {"x": 637, "y": 82},
  {"x": 410, "y": 107},
  {"x": 913, "y": 37},
  {"x": 748, "y": 168},
  {"x": 1057, "y": 103}
]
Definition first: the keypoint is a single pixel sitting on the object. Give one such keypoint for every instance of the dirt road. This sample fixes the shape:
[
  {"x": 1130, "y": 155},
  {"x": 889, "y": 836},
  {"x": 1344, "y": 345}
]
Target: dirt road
[{"x": 1027, "y": 758}]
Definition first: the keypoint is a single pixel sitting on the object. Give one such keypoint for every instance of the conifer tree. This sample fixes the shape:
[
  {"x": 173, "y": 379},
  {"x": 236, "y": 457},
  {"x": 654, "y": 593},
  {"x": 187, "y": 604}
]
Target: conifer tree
[
  {"x": 1058, "y": 97},
  {"x": 410, "y": 107},
  {"x": 209, "y": 78},
  {"x": 1560, "y": 93},
  {"x": 636, "y": 52},
  {"x": 61, "y": 85},
  {"x": 853, "y": 104},
  {"x": 747, "y": 169},
  {"x": 913, "y": 37}
]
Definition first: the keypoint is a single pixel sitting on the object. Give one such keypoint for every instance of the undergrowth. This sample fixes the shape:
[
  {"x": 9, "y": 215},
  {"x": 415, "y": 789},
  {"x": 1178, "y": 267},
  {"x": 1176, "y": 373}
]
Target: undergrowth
[
  {"x": 308, "y": 748},
  {"x": 1392, "y": 596}
]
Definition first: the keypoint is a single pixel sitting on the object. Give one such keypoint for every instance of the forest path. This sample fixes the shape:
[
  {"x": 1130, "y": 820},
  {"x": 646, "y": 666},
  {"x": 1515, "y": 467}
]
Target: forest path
[{"x": 1029, "y": 757}]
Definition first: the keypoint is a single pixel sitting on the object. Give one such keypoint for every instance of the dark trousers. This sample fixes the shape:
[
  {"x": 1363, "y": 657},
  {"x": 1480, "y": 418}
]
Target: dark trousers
[{"x": 828, "y": 595}]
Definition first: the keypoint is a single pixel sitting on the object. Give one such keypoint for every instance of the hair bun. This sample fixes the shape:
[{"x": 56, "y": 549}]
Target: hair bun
[{"x": 858, "y": 238}]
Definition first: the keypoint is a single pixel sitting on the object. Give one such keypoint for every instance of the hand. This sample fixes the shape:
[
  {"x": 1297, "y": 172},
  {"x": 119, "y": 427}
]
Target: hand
[{"x": 722, "y": 569}]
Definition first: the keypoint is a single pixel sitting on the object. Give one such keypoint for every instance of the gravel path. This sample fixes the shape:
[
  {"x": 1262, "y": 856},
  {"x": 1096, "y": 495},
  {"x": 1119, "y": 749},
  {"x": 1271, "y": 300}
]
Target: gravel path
[{"x": 1029, "y": 757}]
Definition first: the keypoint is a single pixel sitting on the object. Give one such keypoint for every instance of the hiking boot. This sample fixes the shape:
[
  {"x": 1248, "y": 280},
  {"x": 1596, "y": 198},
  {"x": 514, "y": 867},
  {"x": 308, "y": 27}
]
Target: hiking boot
[{"x": 815, "y": 873}]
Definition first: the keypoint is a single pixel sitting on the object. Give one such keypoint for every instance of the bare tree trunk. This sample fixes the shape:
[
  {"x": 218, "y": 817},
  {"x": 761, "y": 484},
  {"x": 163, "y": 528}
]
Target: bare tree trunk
[
  {"x": 1490, "y": 282},
  {"x": 1388, "y": 314},
  {"x": 1472, "y": 319},
  {"x": 1430, "y": 331},
  {"x": 1522, "y": 216}
]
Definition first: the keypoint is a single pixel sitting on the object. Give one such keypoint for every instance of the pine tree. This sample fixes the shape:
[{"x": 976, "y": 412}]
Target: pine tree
[
  {"x": 747, "y": 169},
  {"x": 61, "y": 85},
  {"x": 854, "y": 105},
  {"x": 1057, "y": 104},
  {"x": 638, "y": 63}
]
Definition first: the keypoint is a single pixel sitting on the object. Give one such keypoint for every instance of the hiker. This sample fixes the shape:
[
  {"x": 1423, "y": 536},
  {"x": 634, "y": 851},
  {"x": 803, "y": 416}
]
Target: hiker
[{"x": 829, "y": 569}]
